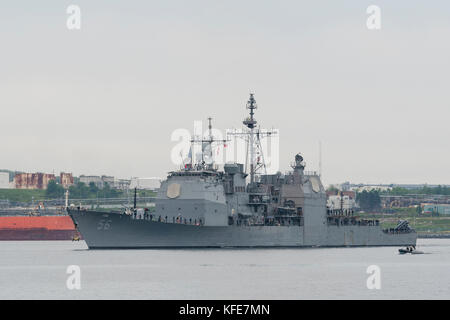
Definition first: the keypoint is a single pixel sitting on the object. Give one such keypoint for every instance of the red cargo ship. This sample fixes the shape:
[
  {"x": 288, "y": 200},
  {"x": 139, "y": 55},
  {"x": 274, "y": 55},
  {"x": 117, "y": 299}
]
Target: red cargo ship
[{"x": 37, "y": 228}]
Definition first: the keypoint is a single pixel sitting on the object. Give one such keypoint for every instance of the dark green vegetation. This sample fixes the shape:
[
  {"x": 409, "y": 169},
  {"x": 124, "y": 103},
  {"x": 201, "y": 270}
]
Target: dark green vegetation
[
  {"x": 423, "y": 224},
  {"x": 54, "y": 190},
  {"x": 18, "y": 195},
  {"x": 332, "y": 188},
  {"x": 398, "y": 191},
  {"x": 369, "y": 200},
  {"x": 91, "y": 191},
  {"x": 77, "y": 191}
]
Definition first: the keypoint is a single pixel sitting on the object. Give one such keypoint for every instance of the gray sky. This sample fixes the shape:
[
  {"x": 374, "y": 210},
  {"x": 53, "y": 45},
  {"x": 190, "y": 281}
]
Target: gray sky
[{"x": 105, "y": 99}]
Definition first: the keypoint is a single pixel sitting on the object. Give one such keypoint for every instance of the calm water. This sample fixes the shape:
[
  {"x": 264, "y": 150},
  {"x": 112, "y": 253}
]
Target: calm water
[{"x": 37, "y": 270}]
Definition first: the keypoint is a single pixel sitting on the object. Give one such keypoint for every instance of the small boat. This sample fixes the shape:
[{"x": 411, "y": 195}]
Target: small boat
[{"x": 410, "y": 249}]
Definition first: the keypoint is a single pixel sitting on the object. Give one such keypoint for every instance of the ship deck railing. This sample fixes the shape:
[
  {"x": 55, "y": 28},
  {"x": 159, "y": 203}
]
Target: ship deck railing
[
  {"x": 394, "y": 231},
  {"x": 350, "y": 221}
]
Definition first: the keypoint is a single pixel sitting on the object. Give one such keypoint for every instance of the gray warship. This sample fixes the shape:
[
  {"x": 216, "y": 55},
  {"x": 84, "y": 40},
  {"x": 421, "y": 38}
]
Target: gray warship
[{"x": 200, "y": 206}]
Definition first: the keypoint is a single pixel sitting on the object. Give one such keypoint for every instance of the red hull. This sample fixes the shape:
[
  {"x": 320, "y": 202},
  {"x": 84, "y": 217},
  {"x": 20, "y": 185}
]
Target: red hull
[
  {"x": 37, "y": 228},
  {"x": 36, "y": 234}
]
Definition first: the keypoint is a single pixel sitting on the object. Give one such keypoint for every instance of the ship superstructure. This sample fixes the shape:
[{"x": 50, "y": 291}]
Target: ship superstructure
[{"x": 201, "y": 206}]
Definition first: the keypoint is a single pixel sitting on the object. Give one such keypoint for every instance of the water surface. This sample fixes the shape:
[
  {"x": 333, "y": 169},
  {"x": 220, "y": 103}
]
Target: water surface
[{"x": 37, "y": 270}]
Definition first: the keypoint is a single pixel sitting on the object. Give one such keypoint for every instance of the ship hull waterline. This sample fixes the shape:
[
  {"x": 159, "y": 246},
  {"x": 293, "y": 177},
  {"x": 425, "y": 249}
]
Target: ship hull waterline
[{"x": 119, "y": 231}]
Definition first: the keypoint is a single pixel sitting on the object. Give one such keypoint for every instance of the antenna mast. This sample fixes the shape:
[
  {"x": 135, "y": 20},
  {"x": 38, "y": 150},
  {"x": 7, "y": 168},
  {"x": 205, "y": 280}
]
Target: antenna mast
[
  {"x": 206, "y": 144},
  {"x": 253, "y": 137},
  {"x": 250, "y": 123}
]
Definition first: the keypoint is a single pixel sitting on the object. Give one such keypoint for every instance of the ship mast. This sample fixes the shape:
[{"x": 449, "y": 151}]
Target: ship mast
[
  {"x": 211, "y": 139},
  {"x": 250, "y": 123},
  {"x": 206, "y": 144},
  {"x": 253, "y": 137}
]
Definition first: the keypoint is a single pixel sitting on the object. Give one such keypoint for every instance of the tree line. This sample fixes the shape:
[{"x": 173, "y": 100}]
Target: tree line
[
  {"x": 369, "y": 200},
  {"x": 81, "y": 191},
  {"x": 399, "y": 191}
]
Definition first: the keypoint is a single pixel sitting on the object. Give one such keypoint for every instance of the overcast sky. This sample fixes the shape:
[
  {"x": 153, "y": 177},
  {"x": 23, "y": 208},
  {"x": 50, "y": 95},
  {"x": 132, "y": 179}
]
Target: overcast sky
[{"x": 105, "y": 99}]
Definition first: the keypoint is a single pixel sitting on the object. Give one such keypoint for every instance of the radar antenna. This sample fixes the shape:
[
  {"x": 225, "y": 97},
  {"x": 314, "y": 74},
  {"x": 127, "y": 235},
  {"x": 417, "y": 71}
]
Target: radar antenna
[
  {"x": 253, "y": 136},
  {"x": 206, "y": 145}
]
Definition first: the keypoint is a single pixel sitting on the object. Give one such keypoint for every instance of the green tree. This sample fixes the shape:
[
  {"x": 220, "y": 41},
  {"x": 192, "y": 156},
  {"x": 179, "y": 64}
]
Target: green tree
[
  {"x": 82, "y": 191},
  {"x": 93, "y": 189},
  {"x": 54, "y": 190},
  {"x": 79, "y": 191},
  {"x": 107, "y": 192},
  {"x": 369, "y": 200},
  {"x": 333, "y": 189},
  {"x": 439, "y": 190}
]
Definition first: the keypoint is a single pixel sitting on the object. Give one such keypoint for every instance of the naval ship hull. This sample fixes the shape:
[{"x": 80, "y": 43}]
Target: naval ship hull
[{"x": 119, "y": 231}]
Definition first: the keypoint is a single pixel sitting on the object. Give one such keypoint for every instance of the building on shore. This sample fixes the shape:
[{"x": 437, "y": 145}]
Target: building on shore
[
  {"x": 4, "y": 180},
  {"x": 384, "y": 187},
  {"x": 121, "y": 184},
  {"x": 368, "y": 188},
  {"x": 66, "y": 179},
  {"x": 108, "y": 180},
  {"x": 101, "y": 181},
  {"x": 37, "y": 180},
  {"x": 345, "y": 200},
  {"x": 152, "y": 184},
  {"x": 96, "y": 180},
  {"x": 434, "y": 208}
]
